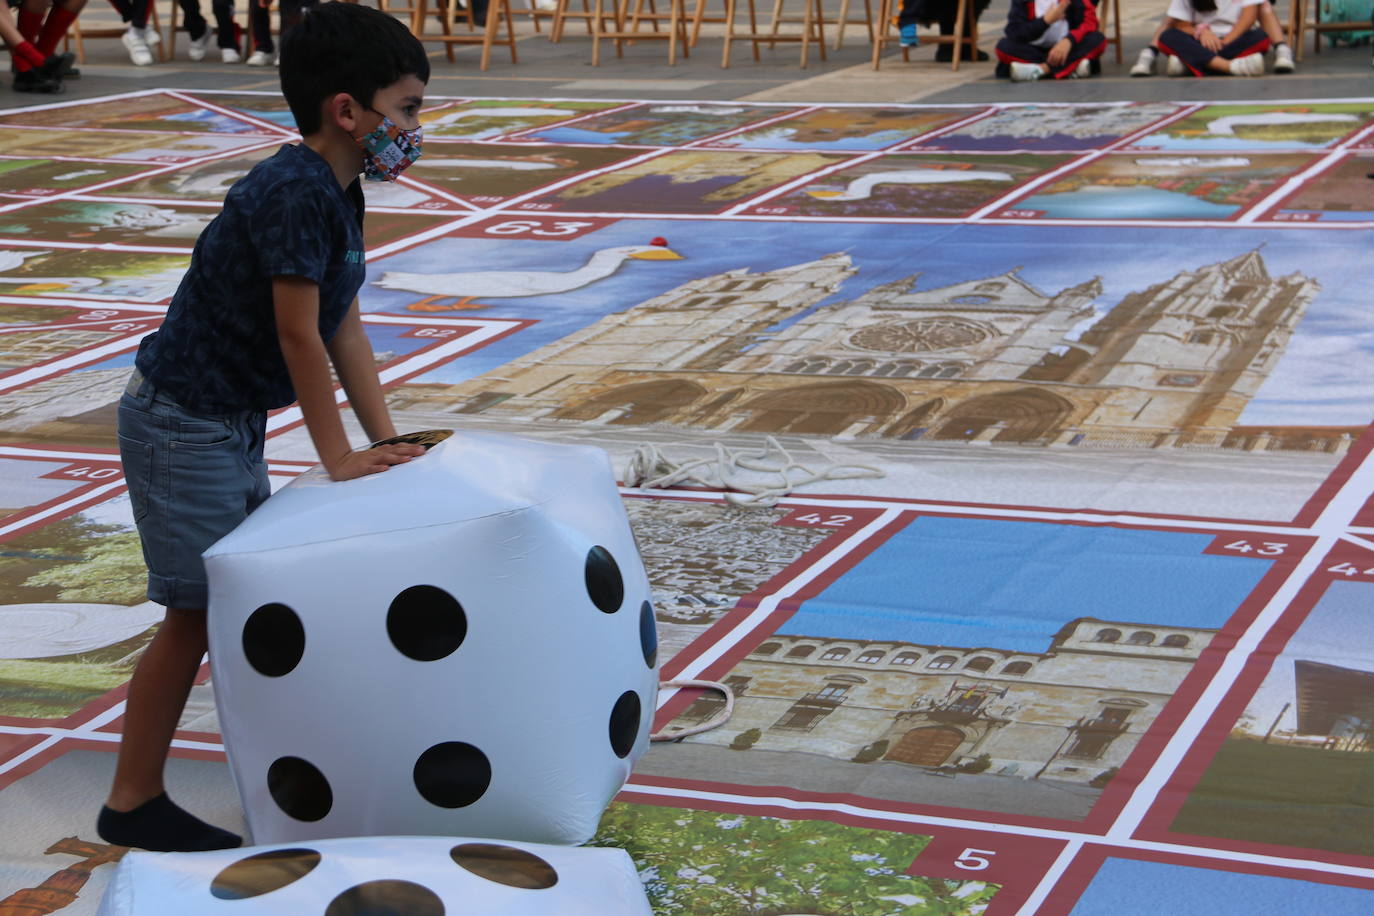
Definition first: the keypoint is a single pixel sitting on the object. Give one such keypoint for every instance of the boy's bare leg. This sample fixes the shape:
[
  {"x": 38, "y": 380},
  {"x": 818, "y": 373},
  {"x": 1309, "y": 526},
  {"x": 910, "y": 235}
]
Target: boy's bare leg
[
  {"x": 138, "y": 812},
  {"x": 157, "y": 695}
]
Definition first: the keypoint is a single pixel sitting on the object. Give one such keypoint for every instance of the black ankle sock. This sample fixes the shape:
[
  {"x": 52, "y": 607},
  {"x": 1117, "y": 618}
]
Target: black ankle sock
[{"x": 160, "y": 826}]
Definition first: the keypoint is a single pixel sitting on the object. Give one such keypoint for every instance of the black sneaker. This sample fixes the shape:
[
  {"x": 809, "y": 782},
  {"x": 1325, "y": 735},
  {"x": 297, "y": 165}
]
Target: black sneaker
[
  {"x": 68, "y": 69},
  {"x": 36, "y": 80}
]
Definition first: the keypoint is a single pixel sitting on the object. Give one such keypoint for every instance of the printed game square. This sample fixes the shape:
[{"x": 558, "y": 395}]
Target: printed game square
[
  {"x": 848, "y": 130},
  {"x": 686, "y": 181},
  {"x": 657, "y": 124},
  {"x": 1052, "y": 127},
  {"x": 1339, "y": 193},
  {"x": 489, "y": 173},
  {"x": 145, "y": 112},
  {"x": 1293, "y": 769},
  {"x": 1025, "y": 660},
  {"x": 930, "y": 186},
  {"x": 1229, "y": 128},
  {"x": 491, "y": 119},
  {"x": 46, "y": 177},
  {"x": 1131, "y": 186}
]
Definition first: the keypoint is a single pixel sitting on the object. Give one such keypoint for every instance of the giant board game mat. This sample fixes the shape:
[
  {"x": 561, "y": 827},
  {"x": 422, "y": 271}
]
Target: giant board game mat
[{"x": 1097, "y": 641}]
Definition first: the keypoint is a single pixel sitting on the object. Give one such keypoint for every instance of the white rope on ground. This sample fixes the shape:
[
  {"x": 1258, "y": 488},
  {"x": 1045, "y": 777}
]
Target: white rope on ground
[
  {"x": 715, "y": 721},
  {"x": 648, "y": 468}
]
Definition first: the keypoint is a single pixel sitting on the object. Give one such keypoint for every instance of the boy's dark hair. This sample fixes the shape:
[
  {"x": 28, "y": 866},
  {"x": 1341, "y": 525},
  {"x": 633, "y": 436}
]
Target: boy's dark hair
[
  {"x": 345, "y": 47},
  {"x": 1204, "y": 6}
]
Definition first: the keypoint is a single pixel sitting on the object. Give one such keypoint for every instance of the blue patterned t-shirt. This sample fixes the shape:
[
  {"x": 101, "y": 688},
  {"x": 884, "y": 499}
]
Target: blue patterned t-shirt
[{"x": 217, "y": 349}]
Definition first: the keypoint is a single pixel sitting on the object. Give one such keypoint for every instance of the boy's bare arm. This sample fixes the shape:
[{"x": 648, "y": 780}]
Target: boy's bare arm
[
  {"x": 296, "y": 304},
  {"x": 351, "y": 352}
]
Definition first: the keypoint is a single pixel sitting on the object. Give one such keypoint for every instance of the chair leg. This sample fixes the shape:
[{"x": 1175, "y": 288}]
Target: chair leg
[
  {"x": 818, "y": 21},
  {"x": 840, "y": 23},
  {"x": 754, "y": 29},
  {"x": 449, "y": 10},
  {"x": 596, "y": 32},
  {"x": 729, "y": 33},
  {"x": 697, "y": 17},
  {"x": 777, "y": 19},
  {"x": 959, "y": 34},
  {"x": 510, "y": 30},
  {"x": 880, "y": 33},
  {"x": 806, "y": 30}
]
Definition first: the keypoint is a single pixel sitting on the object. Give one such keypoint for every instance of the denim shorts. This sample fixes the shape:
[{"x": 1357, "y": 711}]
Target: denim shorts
[{"x": 192, "y": 478}]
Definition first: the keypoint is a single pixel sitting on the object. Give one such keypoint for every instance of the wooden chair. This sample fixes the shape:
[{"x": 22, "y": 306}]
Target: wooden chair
[
  {"x": 78, "y": 35},
  {"x": 627, "y": 26},
  {"x": 1115, "y": 16},
  {"x": 839, "y": 21},
  {"x": 562, "y": 14},
  {"x": 698, "y": 17},
  {"x": 1298, "y": 23},
  {"x": 813, "y": 31},
  {"x": 958, "y": 39},
  {"x": 446, "y": 11}
]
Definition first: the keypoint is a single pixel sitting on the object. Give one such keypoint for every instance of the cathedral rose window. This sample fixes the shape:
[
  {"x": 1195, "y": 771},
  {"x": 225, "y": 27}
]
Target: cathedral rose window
[{"x": 923, "y": 335}]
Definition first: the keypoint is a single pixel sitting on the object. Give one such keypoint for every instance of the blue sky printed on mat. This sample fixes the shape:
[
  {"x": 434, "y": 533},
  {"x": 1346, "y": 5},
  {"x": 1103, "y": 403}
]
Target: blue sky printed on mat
[
  {"x": 978, "y": 583},
  {"x": 1128, "y": 887}
]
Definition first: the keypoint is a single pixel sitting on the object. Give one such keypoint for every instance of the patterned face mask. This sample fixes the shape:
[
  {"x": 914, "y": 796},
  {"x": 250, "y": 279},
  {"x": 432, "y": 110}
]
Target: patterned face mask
[{"x": 388, "y": 150}]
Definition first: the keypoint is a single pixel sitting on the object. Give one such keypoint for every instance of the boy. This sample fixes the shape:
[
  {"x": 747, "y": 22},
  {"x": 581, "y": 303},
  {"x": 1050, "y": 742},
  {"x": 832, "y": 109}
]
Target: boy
[
  {"x": 1056, "y": 38},
  {"x": 268, "y": 302}
]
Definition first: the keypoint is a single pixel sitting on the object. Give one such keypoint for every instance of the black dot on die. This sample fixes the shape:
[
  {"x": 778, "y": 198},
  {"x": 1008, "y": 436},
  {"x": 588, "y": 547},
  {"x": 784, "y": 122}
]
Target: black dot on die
[
  {"x": 426, "y": 623},
  {"x": 273, "y": 640},
  {"x": 625, "y": 723},
  {"x": 452, "y": 774},
  {"x": 648, "y": 634},
  {"x": 505, "y": 865},
  {"x": 604, "y": 585},
  {"x": 386, "y": 898},
  {"x": 263, "y": 873},
  {"x": 299, "y": 788}
]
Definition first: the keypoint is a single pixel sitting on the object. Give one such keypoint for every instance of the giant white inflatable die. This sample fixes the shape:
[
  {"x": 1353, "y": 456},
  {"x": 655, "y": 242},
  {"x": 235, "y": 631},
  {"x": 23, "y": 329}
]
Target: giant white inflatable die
[
  {"x": 379, "y": 876},
  {"x": 462, "y": 645}
]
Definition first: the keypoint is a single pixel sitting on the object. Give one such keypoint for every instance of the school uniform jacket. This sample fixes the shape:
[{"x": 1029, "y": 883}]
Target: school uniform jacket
[{"x": 1023, "y": 25}]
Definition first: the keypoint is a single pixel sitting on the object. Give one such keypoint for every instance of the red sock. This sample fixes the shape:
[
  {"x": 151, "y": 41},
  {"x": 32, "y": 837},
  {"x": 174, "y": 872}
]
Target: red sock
[
  {"x": 29, "y": 23},
  {"x": 59, "y": 20},
  {"x": 27, "y": 54}
]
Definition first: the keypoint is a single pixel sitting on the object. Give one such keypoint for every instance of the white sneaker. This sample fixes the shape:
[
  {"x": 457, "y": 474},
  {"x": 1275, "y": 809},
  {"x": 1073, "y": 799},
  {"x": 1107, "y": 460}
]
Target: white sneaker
[
  {"x": 137, "y": 47},
  {"x": 229, "y": 55},
  {"x": 1083, "y": 70},
  {"x": 1025, "y": 73},
  {"x": 198, "y": 45},
  {"x": 1175, "y": 66},
  {"x": 1283, "y": 59},
  {"x": 152, "y": 36},
  {"x": 1249, "y": 65},
  {"x": 1145, "y": 63},
  {"x": 259, "y": 59}
]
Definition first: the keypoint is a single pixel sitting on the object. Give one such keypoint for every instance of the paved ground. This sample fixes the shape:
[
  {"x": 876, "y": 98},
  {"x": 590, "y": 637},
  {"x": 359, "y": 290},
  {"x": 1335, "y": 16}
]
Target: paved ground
[{"x": 564, "y": 70}]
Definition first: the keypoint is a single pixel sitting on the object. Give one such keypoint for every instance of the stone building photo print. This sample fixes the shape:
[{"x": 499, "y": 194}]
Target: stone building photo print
[
  {"x": 972, "y": 663},
  {"x": 1204, "y": 356}
]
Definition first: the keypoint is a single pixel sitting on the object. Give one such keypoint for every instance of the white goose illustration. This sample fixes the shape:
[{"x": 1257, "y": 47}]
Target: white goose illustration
[
  {"x": 1226, "y": 127},
  {"x": 510, "y": 284},
  {"x": 862, "y": 188}
]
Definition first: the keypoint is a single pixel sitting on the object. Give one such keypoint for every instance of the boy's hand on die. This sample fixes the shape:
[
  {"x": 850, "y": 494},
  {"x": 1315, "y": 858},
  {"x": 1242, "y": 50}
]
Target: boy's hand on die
[
  {"x": 1209, "y": 39},
  {"x": 372, "y": 461},
  {"x": 1059, "y": 53}
]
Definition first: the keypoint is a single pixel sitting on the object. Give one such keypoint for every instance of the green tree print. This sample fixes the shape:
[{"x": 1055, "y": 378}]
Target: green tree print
[{"x": 703, "y": 863}]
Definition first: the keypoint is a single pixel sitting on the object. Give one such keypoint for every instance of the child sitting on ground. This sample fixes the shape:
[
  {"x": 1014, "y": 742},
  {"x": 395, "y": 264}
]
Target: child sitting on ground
[
  {"x": 1215, "y": 25},
  {"x": 1056, "y": 38},
  {"x": 268, "y": 303}
]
